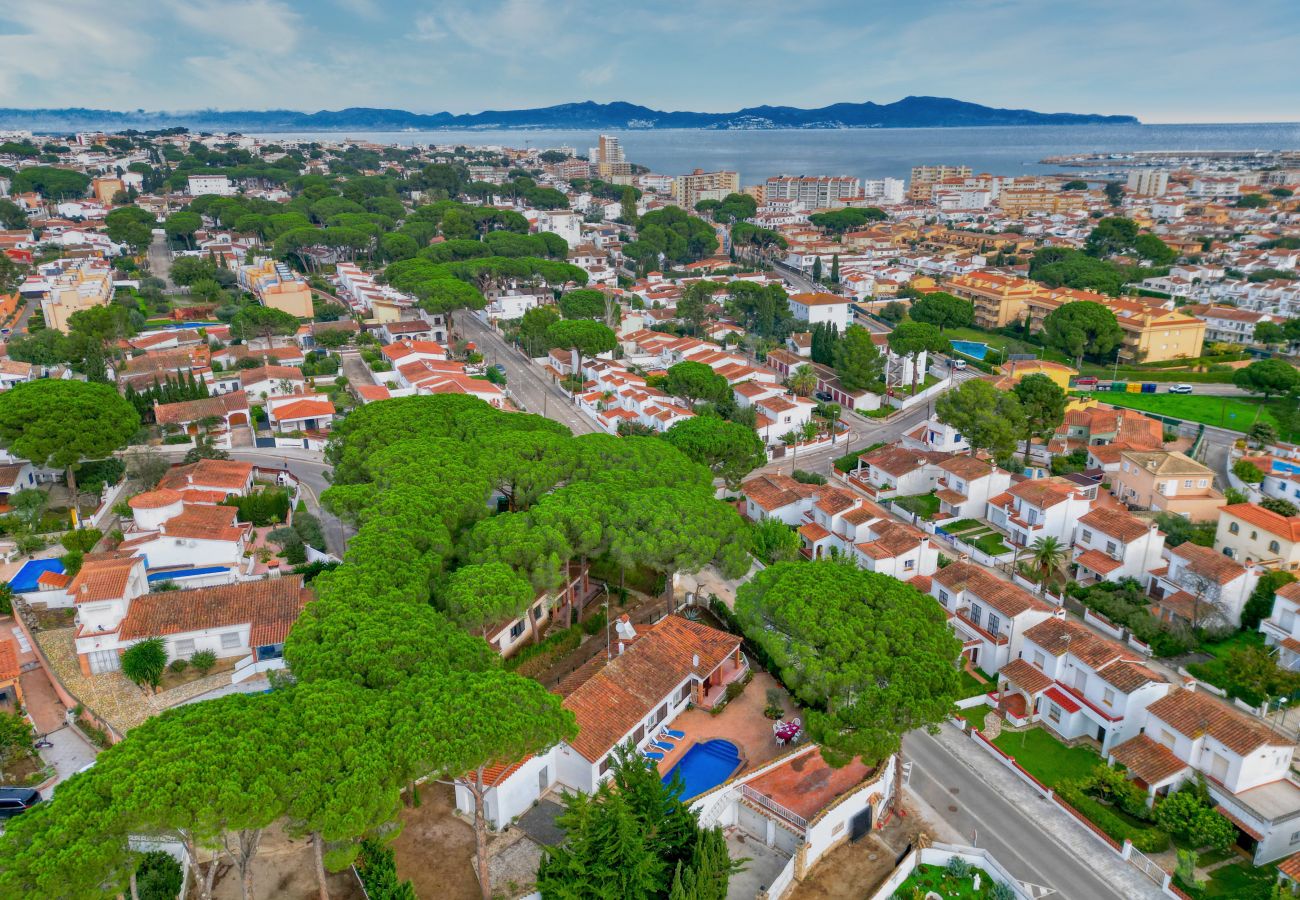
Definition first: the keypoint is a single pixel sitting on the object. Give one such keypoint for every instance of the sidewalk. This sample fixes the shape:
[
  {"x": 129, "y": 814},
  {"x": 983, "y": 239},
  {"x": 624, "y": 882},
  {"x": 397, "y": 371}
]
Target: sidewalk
[{"x": 1055, "y": 823}]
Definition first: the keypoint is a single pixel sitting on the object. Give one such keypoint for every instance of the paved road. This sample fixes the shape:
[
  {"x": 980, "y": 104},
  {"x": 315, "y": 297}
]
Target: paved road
[
  {"x": 160, "y": 259},
  {"x": 529, "y": 387},
  {"x": 1035, "y": 840},
  {"x": 310, "y": 471}
]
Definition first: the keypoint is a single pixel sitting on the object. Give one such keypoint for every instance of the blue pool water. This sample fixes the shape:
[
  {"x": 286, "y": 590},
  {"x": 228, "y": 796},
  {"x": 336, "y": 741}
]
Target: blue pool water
[
  {"x": 31, "y": 571},
  {"x": 1285, "y": 468},
  {"x": 705, "y": 766},
  {"x": 186, "y": 573},
  {"x": 970, "y": 348}
]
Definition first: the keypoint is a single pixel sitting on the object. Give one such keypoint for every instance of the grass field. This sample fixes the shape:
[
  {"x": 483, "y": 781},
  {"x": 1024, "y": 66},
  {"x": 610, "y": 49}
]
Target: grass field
[
  {"x": 924, "y": 505},
  {"x": 1235, "y": 413},
  {"x": 1046, "y": 758}
]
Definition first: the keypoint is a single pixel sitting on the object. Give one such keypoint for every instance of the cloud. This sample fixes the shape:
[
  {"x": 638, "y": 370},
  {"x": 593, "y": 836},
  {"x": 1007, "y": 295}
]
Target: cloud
[
  {"x": 598, "y": 75},
  {"x": 77, "y": 46},
  {"x": 261, "y": 26}
]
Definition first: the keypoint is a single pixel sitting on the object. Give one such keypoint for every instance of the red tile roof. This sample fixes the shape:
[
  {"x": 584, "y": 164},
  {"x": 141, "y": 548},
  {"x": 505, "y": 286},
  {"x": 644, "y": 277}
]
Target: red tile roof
[
  {"x": 1194, "y": 713},
  {"x": 1096, "y": 561},
  {"x": 1005, "y": 597},
  {"x": 628, "y": 687},
  {"x": 270, "y": 606},
  {"x": 212, "y": 473},
  {"x": 1114, "y": 523},
  {"x": 155, "y": 499},
  {"x": 102, "y": 577},
  {"x": 1148, "y": 760},
  {"x": 1061, "y": 699},
  {"x": 9, "y": 668},
  {"x": 1023, "y": 675},
  {"x": 1283, "y": 526}
]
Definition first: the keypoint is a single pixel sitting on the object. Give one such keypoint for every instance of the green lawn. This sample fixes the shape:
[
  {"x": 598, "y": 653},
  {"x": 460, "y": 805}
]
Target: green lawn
[
  {"x": 963, "y": 525},
  {"x": 1046, "y": 758},
  {"x": 924, "y": 505},
  {"x": 991, "y": 543},
  {"x": 971, "y": 687},
  {"x": 1241, "y": 881},
  {"x": 1240, "y": 640},
  {"x": 1236, "y": 413}
]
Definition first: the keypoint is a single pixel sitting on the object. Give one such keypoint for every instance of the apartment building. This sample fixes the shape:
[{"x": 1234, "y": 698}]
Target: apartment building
[
  {"x": 82, "y": 287},
  {"x": 689, "y": 190},
  {"x": 989, "y": 616},
  {"x": 924, "y": 178},
  {"x": 1152, "y": 333},
  {"x": 1148, "y": 182},
  {"x": 1041, "y": 508},
  {"x": 1250, "y": 533},
  {"x": 277, "y": 286},
  {"x": 1166, "y": 481},
  {"x": 999, "y": 300},
  {"x": 1023, "y": 201},
  {"x": 1111, "y": 545},
  {"x": 219, "y": 185},
  {"x": 1200, "y": 587},
  {"x": 1079, "y": 684},
  {"x": 1230, "y": 324},
  {"x": 813, "y": 192},
  {"x": 607, "y": 157},
  {"x": 1247, "y": 767}
]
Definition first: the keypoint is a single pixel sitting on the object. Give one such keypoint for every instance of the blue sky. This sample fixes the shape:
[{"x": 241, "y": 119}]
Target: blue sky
[{"x": 1161, "y": 60}]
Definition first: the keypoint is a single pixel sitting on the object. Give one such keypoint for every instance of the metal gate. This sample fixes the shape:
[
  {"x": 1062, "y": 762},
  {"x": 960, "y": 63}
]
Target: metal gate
[{"x": 860, "y": 826}]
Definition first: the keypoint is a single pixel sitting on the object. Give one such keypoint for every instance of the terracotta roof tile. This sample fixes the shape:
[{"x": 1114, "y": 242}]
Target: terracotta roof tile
[
  {"x": 1282, "y": 526},
  {"x": 1148, "y": 760},
  {"x": 1194, "y": 713},
  {"x": 1114, "y": 523},
  {"x": 270, "y": 606},
  {"x": 1005, "y": 597},
  {"x": 1023, "y": 675},
  {"x": 1096, "y": 561},
  {"x": 9, "y": 668},
  {"x": 215, "y": 473}
]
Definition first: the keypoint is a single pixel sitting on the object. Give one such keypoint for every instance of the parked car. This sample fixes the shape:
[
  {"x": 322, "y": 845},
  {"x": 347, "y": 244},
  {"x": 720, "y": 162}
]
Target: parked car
[
  {"x": 16, "y": 801},
  {"x": 958, "y": 363},
  {"x": 1180, "y": 388},
  {"x": 1086, "y": 384},
  {"x": 824, "y": 396},
  {"x": 500, "y": 368}
]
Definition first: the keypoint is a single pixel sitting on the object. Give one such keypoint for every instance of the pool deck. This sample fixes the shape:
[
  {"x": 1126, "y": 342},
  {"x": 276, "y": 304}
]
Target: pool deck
[{"x": 741, "y": 722}]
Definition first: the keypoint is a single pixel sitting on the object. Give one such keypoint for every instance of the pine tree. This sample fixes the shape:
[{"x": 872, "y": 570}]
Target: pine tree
[
  {"x": 835, "y": 269},
  {"x": 817, "y": 269}
]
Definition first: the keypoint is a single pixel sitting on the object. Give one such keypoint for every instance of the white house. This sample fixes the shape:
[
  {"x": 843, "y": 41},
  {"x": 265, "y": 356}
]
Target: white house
[
  {"x": 1282, "y": 628},
  {"x": 966, "y": 484},
  {"x": 1247, "y": 767},
  {"x": 896, "y": 471},
  {"x": 650, "y": 678},
  {"x": 1079, "y": 684},
  {"x": 173, "y": 534},
  {"x": 1201, "y": 587},
  {"x": 815, "y": 308},
  {"x": 935, "y": 435},
  {"x": 990, "y": 616},
  {"x": 508, "y": 636},
  {"x": 777, "y": 496},
  {"x": 300, "y": 412},
  {"x": 1111, "y": 545},
  {"x": 1041, "y": 508},
  {"x": 210, "y": 184},
  {"x": 271, "y": 381}
]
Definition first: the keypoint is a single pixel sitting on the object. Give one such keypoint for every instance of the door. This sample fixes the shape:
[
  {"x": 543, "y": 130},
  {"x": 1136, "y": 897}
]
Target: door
[
  {"x": 543, "y": 780},
  {"x": 104, "y": 661},
  {"x": 860, "y": 826}
]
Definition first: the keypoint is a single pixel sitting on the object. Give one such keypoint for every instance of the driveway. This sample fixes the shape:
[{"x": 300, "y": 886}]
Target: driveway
[
  {"x": 160, "y": 259},
  {"x": 70, "y": 754}
]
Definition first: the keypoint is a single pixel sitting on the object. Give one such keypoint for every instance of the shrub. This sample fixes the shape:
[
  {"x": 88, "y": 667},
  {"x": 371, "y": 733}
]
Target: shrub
[
  {"x": 803, "y": 477},
  {"x": 1000, "y": 890},
  {"x": 734, "y": 690},
  {"x": 177, "y": 439},
  {"x": 265, "y": 507},
  {"x": 1247, "y": 471},
  {"x": 83, "y": 540},
  {"x": 203, "y": 660},
  {"x": 92, "y": 476},
  {"x": 158, "y": 876},
  {"x": 178, "y": 665},
  {"x": 772, "y": 708},
  {"x": 144, "y": 662},
  {"x": 848, "y": 462},
  {"x": 1148, "y": 840},
  {"x": 957, "y": 867},
  {"x": 378, "y": 872},
  {"x": 309, "y": 529},
  {"x": 594, "y": 625}
]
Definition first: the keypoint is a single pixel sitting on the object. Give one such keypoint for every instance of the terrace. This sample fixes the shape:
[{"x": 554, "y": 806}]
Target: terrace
[{"x": 741, "y": 721}]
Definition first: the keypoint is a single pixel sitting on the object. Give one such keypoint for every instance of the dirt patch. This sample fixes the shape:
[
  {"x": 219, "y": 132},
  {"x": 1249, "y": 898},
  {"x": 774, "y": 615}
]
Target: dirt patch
[
  {"x": 855, "y": 870},
  {"x": 436, "y": 849},
  {"x": 53, "y": 618},
  {"x": 285, "y": 869}
]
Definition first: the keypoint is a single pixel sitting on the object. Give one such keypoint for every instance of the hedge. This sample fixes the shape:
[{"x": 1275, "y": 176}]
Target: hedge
[
  {"x": 1148, "y": 840},
  {"x": 378, "y": 871}
]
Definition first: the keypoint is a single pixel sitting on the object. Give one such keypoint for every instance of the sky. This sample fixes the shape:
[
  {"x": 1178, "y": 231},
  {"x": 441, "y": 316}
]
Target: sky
[{"x": 1160, "y": 60}]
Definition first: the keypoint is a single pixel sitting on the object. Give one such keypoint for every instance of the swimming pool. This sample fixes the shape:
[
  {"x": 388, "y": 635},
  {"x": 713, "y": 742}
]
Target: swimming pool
[
  {"x": 27, "y": 577},
  {"x": 971, "y": 348},
  {"x": 705, "y": 766}
]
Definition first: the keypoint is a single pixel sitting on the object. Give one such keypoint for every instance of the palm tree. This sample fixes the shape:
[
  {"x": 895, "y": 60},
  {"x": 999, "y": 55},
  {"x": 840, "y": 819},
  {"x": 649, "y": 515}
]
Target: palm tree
[
  {"x": 803, "y": 381},
  {"x": 1047, "y": 554},
  {"x": 791, "y": 439}
]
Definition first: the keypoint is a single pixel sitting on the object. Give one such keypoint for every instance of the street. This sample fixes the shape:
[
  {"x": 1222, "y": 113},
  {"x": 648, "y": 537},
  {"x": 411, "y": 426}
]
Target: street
[
  {"x": 529, "y": 387},
  {"x": 160, "y": 259},
  {"x": 310, "y": 472},
  {"x": 1012, "y": 823}
]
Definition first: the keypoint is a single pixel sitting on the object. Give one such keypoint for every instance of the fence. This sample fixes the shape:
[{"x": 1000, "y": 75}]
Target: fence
[
  {"x": 1103, "y": 624},
  {"x": 789, "y": 815}
]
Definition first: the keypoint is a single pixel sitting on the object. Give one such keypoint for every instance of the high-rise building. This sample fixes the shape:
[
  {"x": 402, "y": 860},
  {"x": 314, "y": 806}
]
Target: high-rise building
[
  {"x": 1148, "y": 182},
  {"x": 814, "y": 192},
  {"x": 608, "y": 158},
  {"x": 925, "y": 177},
  {"x": 689, "y": 190}
]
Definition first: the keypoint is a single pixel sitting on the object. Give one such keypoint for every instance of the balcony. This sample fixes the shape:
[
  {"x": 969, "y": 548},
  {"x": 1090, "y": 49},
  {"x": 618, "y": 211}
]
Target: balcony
[{"x": 714, "y": 688}]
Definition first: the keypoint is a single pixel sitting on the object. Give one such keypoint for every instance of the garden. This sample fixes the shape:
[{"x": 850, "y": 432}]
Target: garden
[
  {"x": 958, "y": 879},
  {"x": 1243, "y": 666},
  {"x": 980, "y": 535},
  {"x": 926, "y": 506}
]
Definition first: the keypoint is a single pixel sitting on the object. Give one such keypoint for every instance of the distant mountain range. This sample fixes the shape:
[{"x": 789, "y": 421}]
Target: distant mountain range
[{"x": 910, "y": 112}]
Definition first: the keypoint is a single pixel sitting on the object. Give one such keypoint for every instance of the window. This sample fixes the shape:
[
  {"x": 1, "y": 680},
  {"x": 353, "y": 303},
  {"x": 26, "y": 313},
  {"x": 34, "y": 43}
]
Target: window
[
  {"x": 1039, "y": 659},
  {"x": 230, "y": 640},
  {"x": 1053, "y": 712},
  {"x": 537, "y": 612},
  {"x": 975, "y": 613},
  {"x": 1233, "y": 528},
  {"x": 994, "y": 622},
  {"x": 1187, "y": 483},
  {"x": 1108, "y": 697},
  {"x": 908, "y": 563},
  {"x": 1274, "y": 547},
  {"x": 1202, "y": 483},
  {"x": 604, "y": 765},
  {"x": 943, "y": 597},
  {"x": 1254, "y": 535},
  {"x": 517, "y": 629},
  {"x": 1110, "y": 547},
  {"x": 1086, "y": 535},
  {"x": 1167, "y": 738},
  {"x": 184, "y": 649},
  {"x": 1295, "y": 838}
]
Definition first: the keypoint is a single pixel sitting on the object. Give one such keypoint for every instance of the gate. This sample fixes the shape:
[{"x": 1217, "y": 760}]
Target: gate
[
  {"x": 860, "y": 826},
  {"x": 1146, "y": 865}
]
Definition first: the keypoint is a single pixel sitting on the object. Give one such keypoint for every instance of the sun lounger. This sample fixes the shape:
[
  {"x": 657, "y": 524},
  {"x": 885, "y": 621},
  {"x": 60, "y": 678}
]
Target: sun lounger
[
  {"x": 672, "y": 735},
  {"x": 667, "y": 748},
  {"x": 652, "y": 754}
]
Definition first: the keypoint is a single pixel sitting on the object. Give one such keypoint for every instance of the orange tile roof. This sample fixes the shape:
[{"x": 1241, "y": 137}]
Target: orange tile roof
[
  {"x": 219, "y": 473},
  {"x": 1195, "y": 713},
  {"x": 1148, "y": 760},
  {"x": 1005, "y": 597},
  {"x": 628, "y": 687},
  {"x": 303, "y": 409},
  {"x": 1023, "y": 675},
  {"x": 1114, "y": 523},
  {"x": 1204, "y": 561},
  {"x": 776, "y": 490},
  {"x": 194, "y": 410},
  {"x": 814, "y": 532},
  {"x": 270, "y": 606},
  {"x": 1282, "y": 526},
  {"x": 1290, "y": 867},
  {"x": 1056, "y": 636},
  {"x": 205, "y": 523},
  {"x": 155, "y": 499},
  {"x": 9, "y": 668},
  {"x": 102, "y": 577}
]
